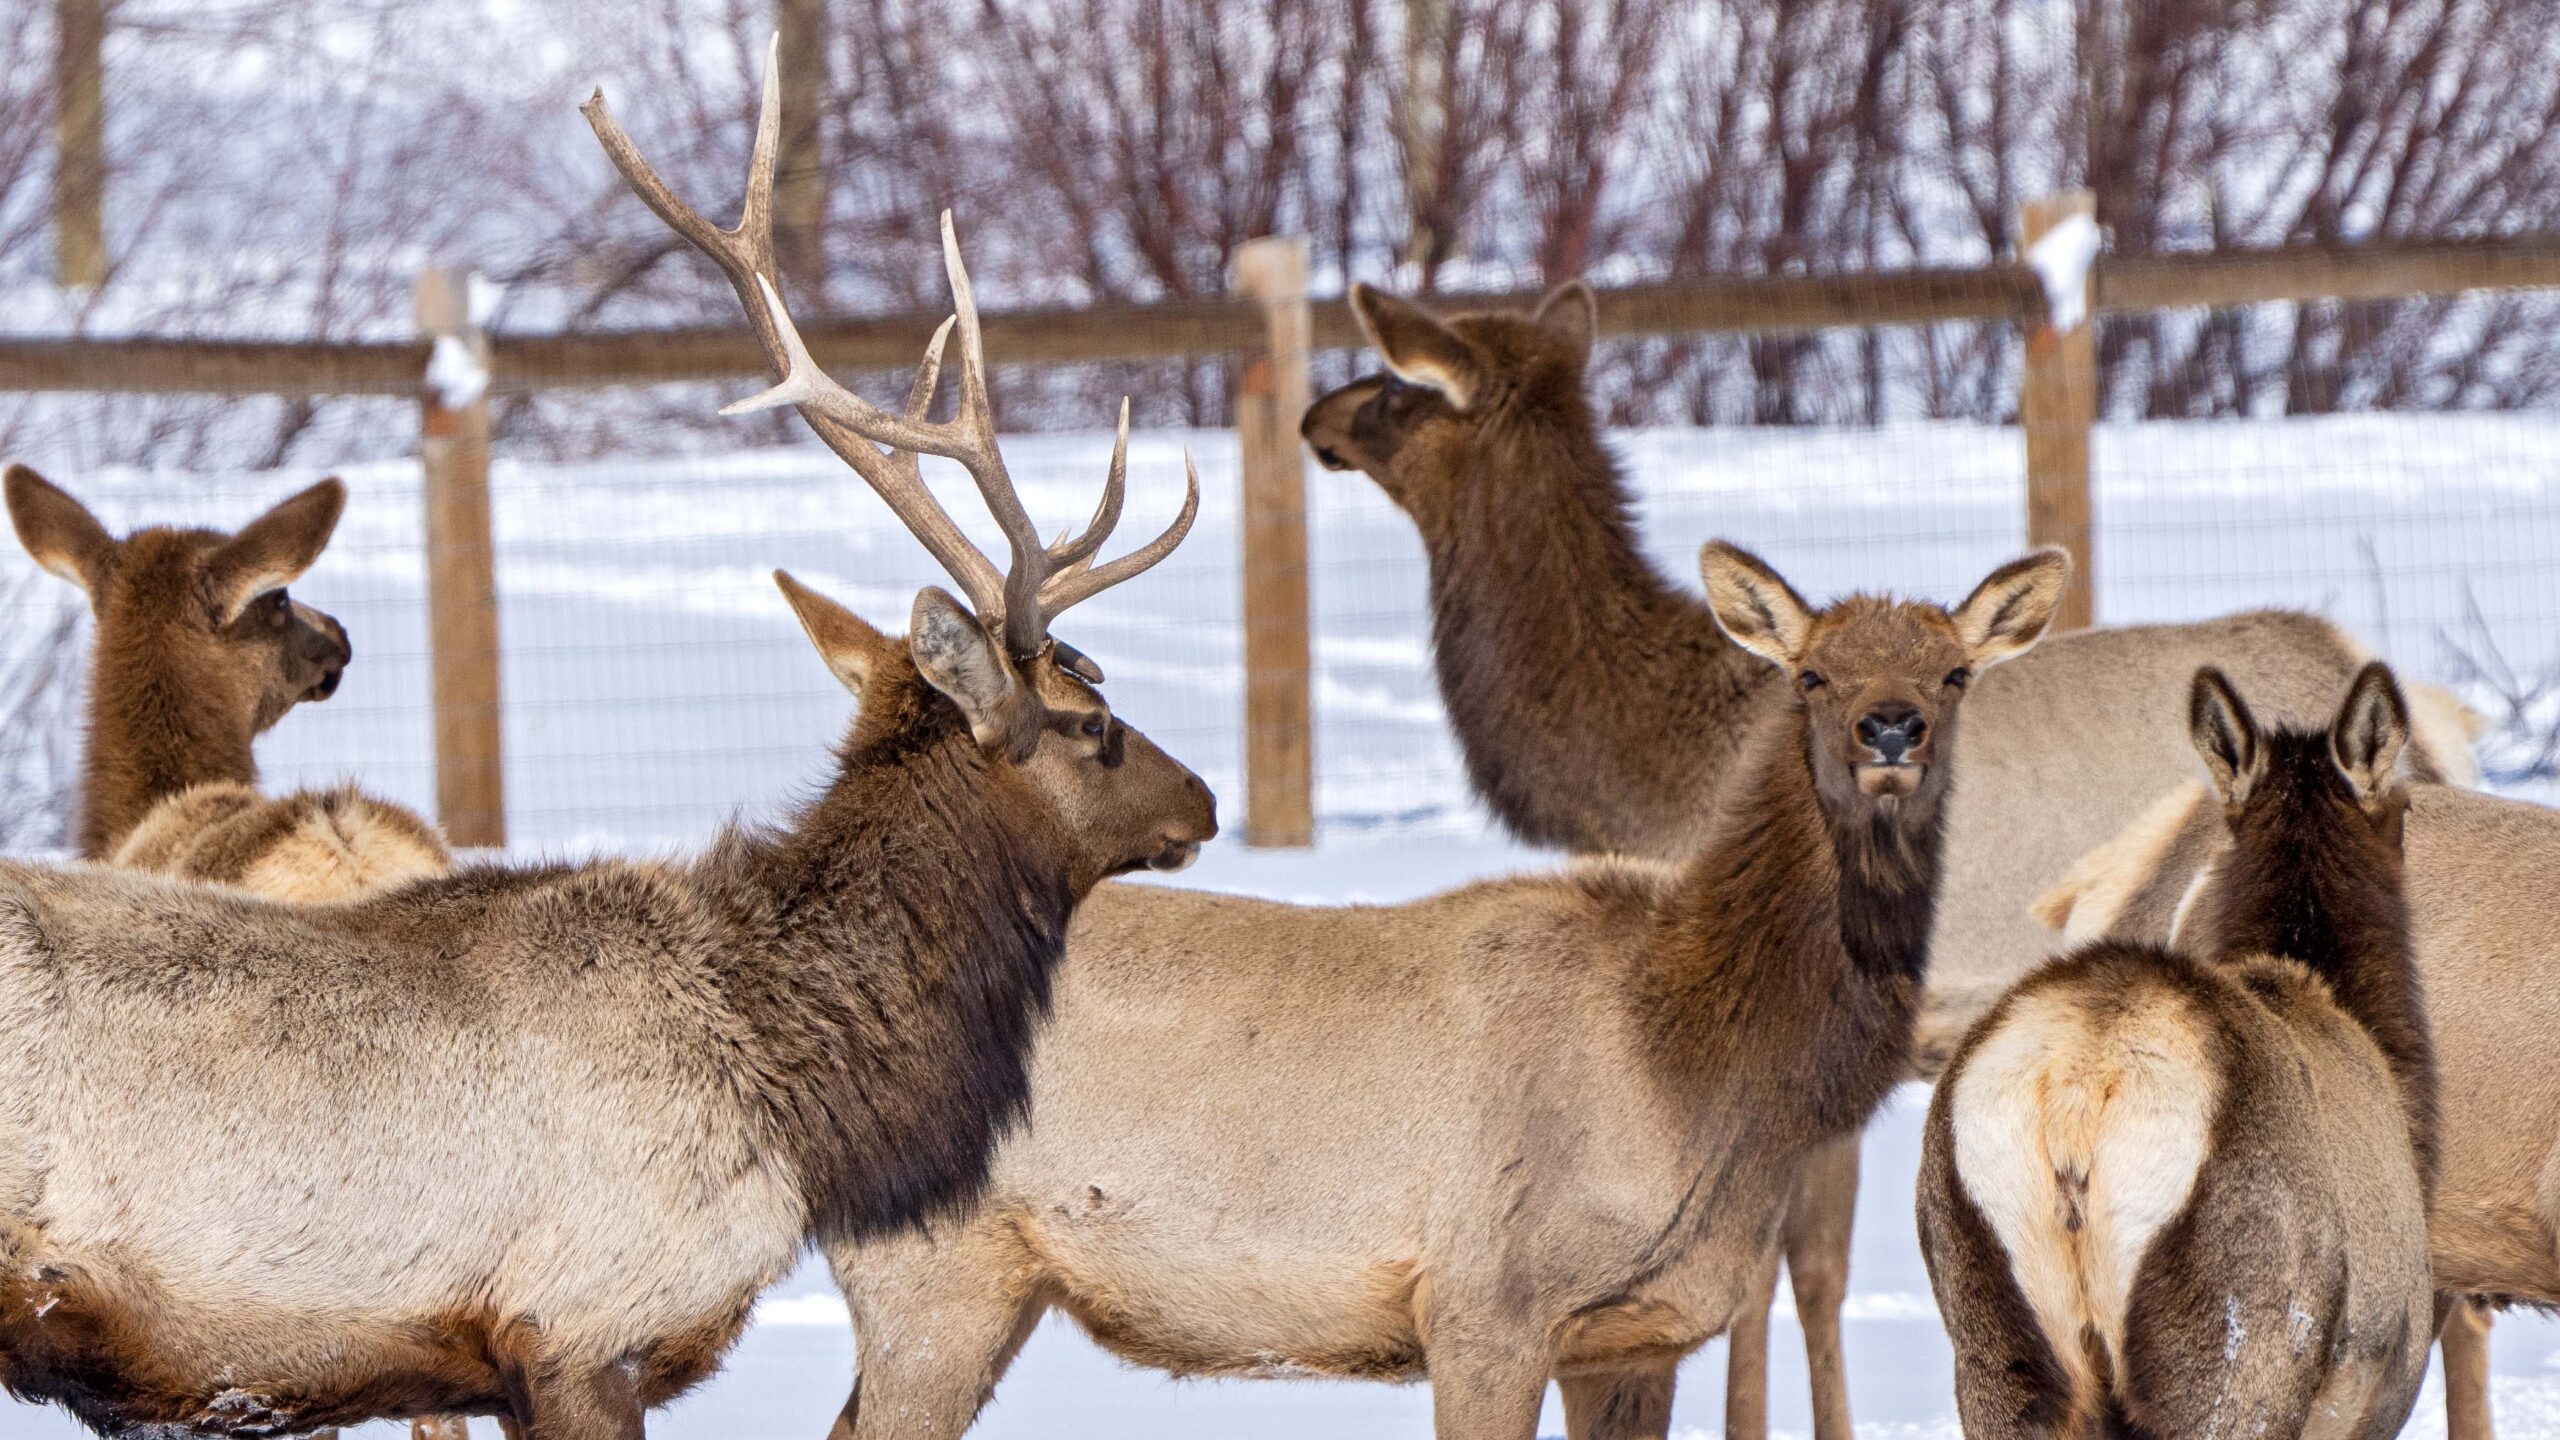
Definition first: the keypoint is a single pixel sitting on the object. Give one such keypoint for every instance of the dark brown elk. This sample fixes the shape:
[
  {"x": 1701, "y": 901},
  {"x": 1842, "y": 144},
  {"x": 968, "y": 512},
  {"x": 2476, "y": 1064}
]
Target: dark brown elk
[
  {"x": 2185, "y": 1191},
  {"x": 1533, "y": 1129},
  {"x": 1594, "y": 702},
  {"x": 199, "y": 649},
  {"x": 663, "y": 1079}
]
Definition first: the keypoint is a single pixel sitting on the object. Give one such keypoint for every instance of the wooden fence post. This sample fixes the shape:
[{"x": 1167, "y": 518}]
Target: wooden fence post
[
  {"x": 80, "y": 142},
  {"x": 2057, "y": 406},
  {"x": 801, "y": 173},
  {"x": 462, "y": 587},
  {"x": 1272, "y": 392}
]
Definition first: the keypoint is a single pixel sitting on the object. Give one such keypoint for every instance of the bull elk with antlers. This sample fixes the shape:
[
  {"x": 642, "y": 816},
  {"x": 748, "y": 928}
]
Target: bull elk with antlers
[{"x": 665, "y": 1079}]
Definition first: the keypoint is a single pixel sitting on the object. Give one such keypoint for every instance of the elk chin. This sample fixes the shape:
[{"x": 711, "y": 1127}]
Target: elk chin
[
  {"x": 1881, "y": 781},
  {"x": 1176, "y": 855}
]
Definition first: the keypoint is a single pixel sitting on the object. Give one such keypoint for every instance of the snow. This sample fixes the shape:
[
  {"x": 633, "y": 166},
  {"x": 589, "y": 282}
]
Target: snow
[
  {"x": 2061, "y": 260},
  {"x": 482, "y": 298},
  {"x": 455, "y": 374},
  {"x": 656, "y": 685}
]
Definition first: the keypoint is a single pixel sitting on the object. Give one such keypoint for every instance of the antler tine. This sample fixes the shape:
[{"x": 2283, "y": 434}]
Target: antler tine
[
  {"x": 848, "y": 424},
  {"x": 743, "y": 251},
  {"x": 928, "y": 374},
  {"x": 1041, "y": 580},
  {"x": 974, "y": 418},
  {"x": 894, "y": 475},
  {"x": 1075, "y": 554},
  {"x": 1078, "y": 583}
]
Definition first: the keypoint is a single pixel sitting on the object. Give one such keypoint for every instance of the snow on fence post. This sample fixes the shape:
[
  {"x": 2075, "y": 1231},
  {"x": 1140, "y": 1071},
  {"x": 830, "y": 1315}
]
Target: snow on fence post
[
  {"x": 1272, "y": 393},
  {"x": 2058, "y": 388},
  {"x": 462, "y": 587}
]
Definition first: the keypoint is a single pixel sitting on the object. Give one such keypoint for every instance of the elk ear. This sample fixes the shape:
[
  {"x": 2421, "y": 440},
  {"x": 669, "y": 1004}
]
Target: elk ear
[
  {"x": 1417, "y": 347},
  {"x": 2226, "y": 735},
  {"x": 2007, "y": 613},
  {"x": 1571, "y": 313},
  {"x": 1761, "y": 612},
  {"x": 957, "y": 656},
  {"x": 2371, "y": 729},
  {"x": 59, "y": 532},
  {"x": 273, "y": 550},
  {"x": 846, "y": 641}
]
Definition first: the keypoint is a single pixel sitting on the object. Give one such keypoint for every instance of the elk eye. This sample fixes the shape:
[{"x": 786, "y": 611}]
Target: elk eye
[
  {"x": 1811, "y": 680},
  {"x": 1959, "y": 677},
  {"x": 1093, "y": 727}
]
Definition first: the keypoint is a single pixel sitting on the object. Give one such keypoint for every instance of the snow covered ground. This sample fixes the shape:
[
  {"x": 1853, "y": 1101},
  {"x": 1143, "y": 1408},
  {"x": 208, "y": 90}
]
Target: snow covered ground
[{"x": 655, "y": 685}]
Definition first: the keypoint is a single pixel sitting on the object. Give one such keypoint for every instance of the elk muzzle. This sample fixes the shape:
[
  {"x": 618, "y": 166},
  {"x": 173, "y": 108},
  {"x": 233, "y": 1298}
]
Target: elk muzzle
[
  {"x": 1332, "y": 425},
  {"x": 1182, "y": 840},
  {"x": 1893, "y": 735},
  {"x": 321, "y": 643}
]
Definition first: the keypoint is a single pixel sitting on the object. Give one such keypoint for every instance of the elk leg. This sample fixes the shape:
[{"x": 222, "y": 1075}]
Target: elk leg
[
  {"x": 1819, "y": 1218},
  {"x": 1486, "y": 1385},
  {"x": 928, "y": 1376},
  {"x": 1746, "y": 1360},
  {"x": 2465, "y": 1338},
  {"x": 1626, "y": 1405}
]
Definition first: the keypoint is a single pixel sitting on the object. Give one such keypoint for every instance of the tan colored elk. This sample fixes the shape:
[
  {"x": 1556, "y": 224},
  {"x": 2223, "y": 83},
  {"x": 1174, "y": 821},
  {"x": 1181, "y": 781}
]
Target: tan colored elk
[
  {"x": 574, "y": 1117},
  {"x": 2185, "y": 1191},
  {"x": 200, "y": 649},
  {"x": 1533, "y": 1128},
  {"x": 2481, "y": 871},
  {"x": 1594, "y": 702}
]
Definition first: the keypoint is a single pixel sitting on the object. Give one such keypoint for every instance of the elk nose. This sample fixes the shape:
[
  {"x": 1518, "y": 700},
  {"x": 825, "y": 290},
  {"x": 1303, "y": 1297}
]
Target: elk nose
[{"x": 1892, "y": 731}]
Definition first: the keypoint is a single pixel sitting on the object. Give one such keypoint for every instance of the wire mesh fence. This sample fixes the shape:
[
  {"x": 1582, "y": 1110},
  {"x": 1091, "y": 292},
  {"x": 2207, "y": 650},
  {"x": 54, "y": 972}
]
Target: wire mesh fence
[{"x": 655, "y": 686}]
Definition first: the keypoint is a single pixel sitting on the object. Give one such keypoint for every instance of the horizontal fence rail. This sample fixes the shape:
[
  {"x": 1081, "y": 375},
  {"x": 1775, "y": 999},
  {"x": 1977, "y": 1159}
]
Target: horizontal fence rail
[
  {"x": 1268, "y": 326},
  {"x": 2006, "y": 290}
]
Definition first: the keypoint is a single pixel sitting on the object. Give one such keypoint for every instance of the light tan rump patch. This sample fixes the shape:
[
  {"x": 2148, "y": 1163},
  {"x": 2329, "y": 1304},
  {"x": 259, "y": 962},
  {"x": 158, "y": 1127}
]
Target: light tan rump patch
[{"x": 2079, "y": 1137}]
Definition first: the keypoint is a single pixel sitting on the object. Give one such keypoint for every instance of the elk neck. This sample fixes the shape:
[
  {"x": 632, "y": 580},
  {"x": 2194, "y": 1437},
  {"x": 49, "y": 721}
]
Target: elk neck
[
  {"x": 1592, "y": 699},
  {"x": 1789, "y": 960},
  {"x": 2308, "y": 878},
  {"x": 896, "y": 945},
  {"x": 156, "y": 727}
]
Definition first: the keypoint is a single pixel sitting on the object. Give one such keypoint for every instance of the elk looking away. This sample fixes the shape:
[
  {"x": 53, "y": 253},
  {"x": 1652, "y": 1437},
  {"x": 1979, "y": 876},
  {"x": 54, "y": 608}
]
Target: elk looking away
[
  {"x": 1533, "y": 1128},
  {"x": 2178, "y": 1192},
  {"x": 1594, "y": 702},
  {"x": 668, "y": 1077},
  {"x": 2480, "y": 873},
  {"x": 199, "y": 650}
]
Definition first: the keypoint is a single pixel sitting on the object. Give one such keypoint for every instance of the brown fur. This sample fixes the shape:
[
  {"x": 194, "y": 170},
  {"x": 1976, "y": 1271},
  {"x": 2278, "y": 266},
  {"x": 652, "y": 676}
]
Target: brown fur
[
  {"x": 1278, "y": 1140},
  {"x": 192, "y": 661},
  {"x": 2480, "y": 871},
  {"x": 1594, "y": 702},
  {"x": 2166, "y": 1193},
  {"x": 664, "y": 1080}
]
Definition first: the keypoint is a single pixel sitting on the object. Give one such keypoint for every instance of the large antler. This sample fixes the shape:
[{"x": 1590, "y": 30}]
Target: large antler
[{"x": 1041, "y": 581}]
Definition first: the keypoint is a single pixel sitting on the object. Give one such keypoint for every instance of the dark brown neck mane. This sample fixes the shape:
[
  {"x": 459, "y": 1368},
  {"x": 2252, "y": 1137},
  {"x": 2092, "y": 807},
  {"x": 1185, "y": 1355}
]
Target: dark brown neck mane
[
  {"x": 153, "y": 731},
  {"x": 2309, "y": 879},
  {"x": 896, "y": 947},
  {"x": 1594, "y": 702},
  {"x": 1786, "y": 975}
]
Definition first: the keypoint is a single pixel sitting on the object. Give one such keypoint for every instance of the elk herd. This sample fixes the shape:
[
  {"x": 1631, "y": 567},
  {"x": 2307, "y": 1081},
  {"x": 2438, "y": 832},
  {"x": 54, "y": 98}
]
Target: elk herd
[{"x": 2229, "y": 983}]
